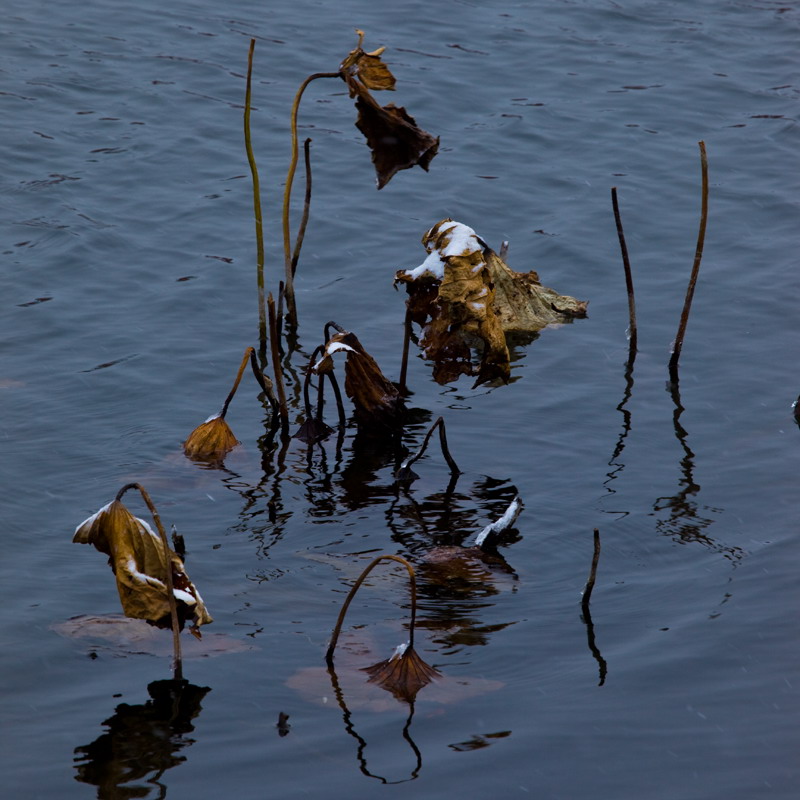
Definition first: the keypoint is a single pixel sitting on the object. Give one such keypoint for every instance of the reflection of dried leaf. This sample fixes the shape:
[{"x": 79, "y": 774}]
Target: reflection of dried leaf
[
  {"x": 137, "y": 557},
  {"x": 211, "y": 441},
  {"x": 377, "y": 402},
  {"x": 392, "y": 134},
  {"x": 403, "y": 674},
  {"x": 465, "y": 295}
]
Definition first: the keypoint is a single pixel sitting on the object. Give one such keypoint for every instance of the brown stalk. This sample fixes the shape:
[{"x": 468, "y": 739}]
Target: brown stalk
[
  {"x": 265, "y": 384},
  {"x": 301, "y": 231},
  {"x": 406, "y": 339},
  {"x": 291, "y": 308},
  {"x": 248, "y": 353},
  {"x": 405, "y": 473},
  {"x": 357, "y": 585},
  {"x": 262, "y": 316},
  {"x": 276, "y": 362},
  {"x": 628, "y": 277},
  {"x": 698, "y": 255},
  {"x": 177, "y": 672}
]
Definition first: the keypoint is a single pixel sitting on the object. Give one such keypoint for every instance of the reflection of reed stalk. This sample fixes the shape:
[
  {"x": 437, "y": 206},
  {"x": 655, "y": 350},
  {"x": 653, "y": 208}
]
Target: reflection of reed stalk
[
  {"x": 587, "y": 592},
  {"x": 291, "y": 308},
  {"x": 454, "y": 470},
  {"x": 276, "y": 362},
  {"x": 628, "y": 276},
  {"x": 698, "y": 255},
  {"x": 177, "y": 673},
  {"x": 357, "y": 585},
  {"x": 262, "y": 315}
]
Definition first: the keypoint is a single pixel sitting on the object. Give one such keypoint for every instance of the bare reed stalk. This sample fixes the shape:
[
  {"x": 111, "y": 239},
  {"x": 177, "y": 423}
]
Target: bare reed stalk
[
  {"x": 698, "y": 255},
  {"x": 291, "y": 308},
  {"x": 628, "y": 276},
  {"x": 357, "y": 585},
  {"x": 247, "y": 355},
  {"x": 301, "y": 231},
  {"x": 262, "y": 315},
  {"x": 406, "y": 338},
  {"x": 177, "y": 671},
  {"x": 276, "y": 362}
]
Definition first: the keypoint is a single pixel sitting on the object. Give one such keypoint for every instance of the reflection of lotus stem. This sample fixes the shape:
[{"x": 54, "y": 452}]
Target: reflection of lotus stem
[
  {"x": 291, "y": 309},
  {"x": 301, "y": 231},
  {"x": 698, "y": 255},
  {"x": 454, "y": 470},
  {"x": 587, "y": 592},
  {"x": 245, "y": 359},
  {"x": 357, "y": 585},
  {"x": 262, "y": 316},
  {"x": 628, "y": 276},
  {"x": 173, "y": 607},
  {"x": 319, "y": 350},
  {"x": 276, "y": 361}
]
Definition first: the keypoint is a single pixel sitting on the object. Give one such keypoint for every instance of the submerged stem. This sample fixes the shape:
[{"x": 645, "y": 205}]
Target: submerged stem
[
  {"x": 291, "y": 309},
  {"x": 357, "y": 586},
  {"x": 698, "y": 255},
  {"x": 262, "y": 315},
  {"x": 177, "y": 672}
]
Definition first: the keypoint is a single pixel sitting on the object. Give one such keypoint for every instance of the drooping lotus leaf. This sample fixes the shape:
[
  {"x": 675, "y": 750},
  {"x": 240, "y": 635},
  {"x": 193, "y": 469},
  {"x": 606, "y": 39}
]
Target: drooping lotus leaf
[
  {"x": 392, "y": 133},
  {"x": 464, "y": 295},
  {"x": 403, "y": 674},
  {"x": 376, "y": 400},
  {"x": 139, "y": 561},
  {"x": 210, "y": 441}
]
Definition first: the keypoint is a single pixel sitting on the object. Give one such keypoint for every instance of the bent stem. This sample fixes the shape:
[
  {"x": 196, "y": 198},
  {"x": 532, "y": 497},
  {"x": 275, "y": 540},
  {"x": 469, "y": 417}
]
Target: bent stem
[
  {"x": 264, "y": 382},
  {"x": 248, "y": 354},
  {"x": 628, "y": 277},
  {"x": 698, "y": 255},
  {"x": 454, "y": 470},
  {"x": 357, "y": 585},
  {"x": 291, "y": 308},
  {"x": 177, "y": 672},
  {"x": 262, "y": 314}
]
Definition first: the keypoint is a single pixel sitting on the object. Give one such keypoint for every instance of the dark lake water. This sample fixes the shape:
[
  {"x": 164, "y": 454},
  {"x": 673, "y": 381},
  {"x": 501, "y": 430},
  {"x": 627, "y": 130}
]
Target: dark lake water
[{"x": 129, "y": 294}]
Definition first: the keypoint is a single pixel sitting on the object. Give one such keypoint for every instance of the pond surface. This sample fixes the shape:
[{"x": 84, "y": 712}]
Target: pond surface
[{"x": 129, "y": 294}]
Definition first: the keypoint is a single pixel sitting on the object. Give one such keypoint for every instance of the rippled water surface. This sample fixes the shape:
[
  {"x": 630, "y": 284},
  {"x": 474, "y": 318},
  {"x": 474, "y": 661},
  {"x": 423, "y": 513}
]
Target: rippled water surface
[{"x": 129, "y": 294}]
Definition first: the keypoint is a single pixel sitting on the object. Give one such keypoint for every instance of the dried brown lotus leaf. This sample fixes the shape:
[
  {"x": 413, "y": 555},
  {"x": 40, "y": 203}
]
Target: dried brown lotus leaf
[
  {"x": 376, "y": 400},
  {"x": 403, "y": 674},
  {"x": 210, "y": 441},
  {"x": 478, "y": 300},
  {"x": 138, "y": 559},
  {"x": 367, "y": 68}
]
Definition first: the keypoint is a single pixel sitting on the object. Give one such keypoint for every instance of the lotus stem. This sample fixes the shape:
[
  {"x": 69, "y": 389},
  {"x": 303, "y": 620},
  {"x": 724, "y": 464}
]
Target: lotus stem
[
  {"x": 291, "y": 308},
  {"x": 247, "y": 355},
  {"x": 698, "y": 255},
  {"x": 357, "y": 585},
  {"x": 301, "y": 232},
  {"x": 339, "y": 404},
  {"x": 177, "y": 672},
  {"x": 454, "y": 470},
  {"x": 276, "y": 362},
  {"x": 406, "y": 339},
  {"x": 262, "y": 314},
  {"x": 628, "y": 277},
  {"x": 264, "y": 382}
]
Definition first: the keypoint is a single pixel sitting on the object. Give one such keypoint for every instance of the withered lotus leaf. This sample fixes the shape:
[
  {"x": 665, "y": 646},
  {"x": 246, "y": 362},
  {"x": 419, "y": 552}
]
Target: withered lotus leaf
[
  {"x": 376, "y": 400},
  {"x": 210, "y": 441},
  {"x": 138, "y": 559},
  {"x": 464, "y": 295},
  {"x": 403, "y": 674},
  {"x": 391, "y": 132}
]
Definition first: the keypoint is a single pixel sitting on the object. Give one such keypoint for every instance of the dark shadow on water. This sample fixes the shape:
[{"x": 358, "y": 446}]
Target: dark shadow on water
[{"x": 141, "y": 743}]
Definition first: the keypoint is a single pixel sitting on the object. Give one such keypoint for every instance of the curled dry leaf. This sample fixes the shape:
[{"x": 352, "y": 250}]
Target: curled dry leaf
[
  {"x": 376, "y": 400},
  {"x": 139, "y": 561},
  {"x": 403, "y": 674},
  {"x": 464, "y": 295},
  {"x": 210, "y": 441},
  {"x": 391, "y": 132}
]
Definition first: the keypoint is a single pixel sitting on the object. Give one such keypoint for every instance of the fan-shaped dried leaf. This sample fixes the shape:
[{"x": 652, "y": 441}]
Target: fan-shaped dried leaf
[
  {"x": 465, "y": 295},
  {"x": 392, "y": 133},
  {"x": 139, "y": 561},
  {"x": 377, "y": 401},
  {"x": 210, "y": 441},
  {"x": 403, "y": 674}
]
